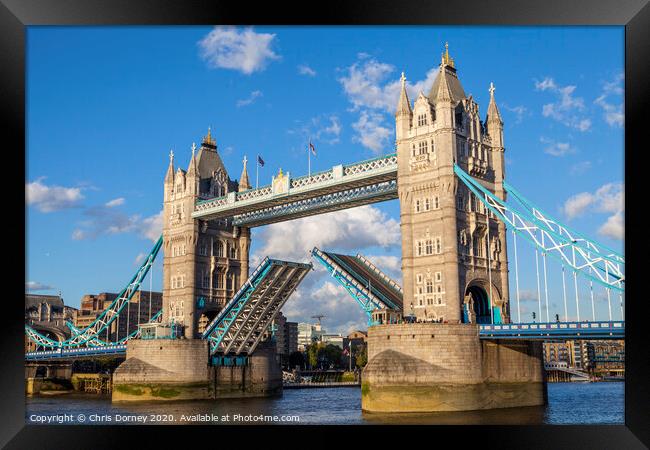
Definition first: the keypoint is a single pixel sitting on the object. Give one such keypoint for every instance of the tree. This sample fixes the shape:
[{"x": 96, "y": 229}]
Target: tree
[
  {"x": 312, "y": 354},
  {"x": 361, "y": 358}
]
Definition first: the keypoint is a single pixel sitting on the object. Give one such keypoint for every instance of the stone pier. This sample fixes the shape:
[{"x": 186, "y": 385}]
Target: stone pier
[
  {"x": 428, "y": 367},
  {"x": 178, "y": 369}
]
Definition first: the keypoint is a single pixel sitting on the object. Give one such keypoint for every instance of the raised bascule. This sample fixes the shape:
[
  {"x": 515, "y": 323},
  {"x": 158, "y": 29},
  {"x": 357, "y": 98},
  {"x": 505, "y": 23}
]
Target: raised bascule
[{"x": 443, "y": 340}]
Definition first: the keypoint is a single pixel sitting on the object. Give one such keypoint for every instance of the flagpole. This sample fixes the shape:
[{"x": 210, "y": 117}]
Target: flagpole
[
  {"x": 309, "y": 160},
  {"x": 257, "y": 172}
]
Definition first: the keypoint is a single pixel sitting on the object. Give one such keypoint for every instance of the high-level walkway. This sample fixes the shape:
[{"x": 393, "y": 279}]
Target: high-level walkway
[{"x": 343, "y": 186}]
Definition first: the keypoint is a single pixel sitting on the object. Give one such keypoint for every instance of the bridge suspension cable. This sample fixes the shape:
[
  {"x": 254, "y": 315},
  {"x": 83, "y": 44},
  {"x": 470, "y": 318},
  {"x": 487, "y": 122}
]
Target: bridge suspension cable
[
  {"x": 103, "y": 321},
  {"x": 514, "y": 237},
  {"x": 608, "y": 267}
]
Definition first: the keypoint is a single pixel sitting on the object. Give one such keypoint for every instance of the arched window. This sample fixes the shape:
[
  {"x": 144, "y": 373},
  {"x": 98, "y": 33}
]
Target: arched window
[{"x": 219, "y": 250}]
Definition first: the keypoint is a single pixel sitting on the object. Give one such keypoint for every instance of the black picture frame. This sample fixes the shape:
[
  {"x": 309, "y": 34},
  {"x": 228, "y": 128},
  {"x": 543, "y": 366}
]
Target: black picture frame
[{"x": 15, "y": 15}]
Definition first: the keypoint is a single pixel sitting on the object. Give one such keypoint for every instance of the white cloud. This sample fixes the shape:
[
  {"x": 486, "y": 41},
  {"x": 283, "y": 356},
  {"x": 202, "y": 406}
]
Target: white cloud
[
  {"x": 565, "y": 109},
  {"x": 519, "y": 111},
  {"x": 612, "y": 112},
  {"x": 139, "y": 258},
  {"x": 527, "y": 295},
  {"x": 372, "y": 133},
  {"x": 342, "y": 314},
  {"x": 115, "y": 202},
  {"x": 323, "y": 128},
  {"x": 104, "y": 221},
  {"x": 577, "y": 205},
  {"x": 373, "y": 91},
  {"x": 243, "y": 50},
  {"x": 556, "y": 148},
  {"x": 580, "y": 168},
  {"x": 349, "y": 229},
  {"x": 614, "y": 227},
  {"x": 251, "y": 99},
  {"x": 304, "y": 69},
  {"x": 36, "y": 286},
  {"x": 51, "y": 198},
  {"x": 610, "y": 199}
]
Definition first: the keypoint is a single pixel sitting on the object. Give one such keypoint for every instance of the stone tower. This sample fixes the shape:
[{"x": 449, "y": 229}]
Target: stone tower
[
  {"x": 444, "y": 227},
  {"x": 205, "y": 263}
]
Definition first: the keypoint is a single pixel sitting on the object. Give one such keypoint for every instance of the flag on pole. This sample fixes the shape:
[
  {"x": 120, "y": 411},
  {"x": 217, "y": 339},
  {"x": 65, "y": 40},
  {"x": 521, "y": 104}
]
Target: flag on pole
[
  {"x": 260, "y": 161},
  {"x": 311, "y": 147}
]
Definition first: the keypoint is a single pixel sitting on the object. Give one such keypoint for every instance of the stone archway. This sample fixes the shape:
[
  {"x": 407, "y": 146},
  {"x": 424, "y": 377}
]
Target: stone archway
[
  {"x": 206, "y": 317},
  {"x": 477, "y": 302}
]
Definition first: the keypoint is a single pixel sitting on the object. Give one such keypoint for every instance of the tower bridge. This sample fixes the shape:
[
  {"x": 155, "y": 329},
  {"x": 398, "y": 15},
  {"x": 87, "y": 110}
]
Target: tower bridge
[{"x": 444, "y": 339}]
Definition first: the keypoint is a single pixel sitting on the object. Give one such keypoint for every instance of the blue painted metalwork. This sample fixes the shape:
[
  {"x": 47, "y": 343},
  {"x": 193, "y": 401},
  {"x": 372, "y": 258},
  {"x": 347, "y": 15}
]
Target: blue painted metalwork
[
  {"x": 71, "y": 353},
  {"x": 227, "y": 315},
  {"x": 107, "y": 316},
  {"x": 590, "y": 245},
  {"x": 525, "y": 224},
  {"x": 96, "y": 342},
  {"x": 554, "y": 330},
  {"x": 360, "y": 294},
  {"x": 349, "y": 197}
]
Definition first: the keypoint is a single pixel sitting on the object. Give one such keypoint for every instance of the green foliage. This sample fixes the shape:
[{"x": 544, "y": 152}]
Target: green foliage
[
  {"x": 361, "y": 358},
  {"x": 347, "y": 376}
]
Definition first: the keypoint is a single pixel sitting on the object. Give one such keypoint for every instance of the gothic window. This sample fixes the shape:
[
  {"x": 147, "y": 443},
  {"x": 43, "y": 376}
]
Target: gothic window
[
  {"x": 419, "y": 278},
  {"x": 423, "y": 147},
  {"x": 427, "y": 204},
  {"x": 219, "y": 281},
  {"x": 422, "y": 120},
  {"x": 429, "y": 287},
  {"x": 436, "y": 202},
  {"x": 205, "y": 280},
  {"x": 429, "y": 247},
  {"x": 478, "y": 246},
  {"x": 219, "y": 249},
  {"x": 438, "y": 277},
  {"x": 438, "y": 246},
  {"x": 233, "y": 252},
  {"x": 417, "y": 206},
  {"x": 419, "y": 248},
  {"x": 203, "y": 249},
  {"x": 413, "y": 151},
  {"x": 460, "y": 202}
]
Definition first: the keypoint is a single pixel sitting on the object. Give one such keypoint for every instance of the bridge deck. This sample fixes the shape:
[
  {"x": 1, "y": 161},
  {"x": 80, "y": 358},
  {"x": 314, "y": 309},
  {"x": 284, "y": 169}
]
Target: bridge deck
[
  {"x": 341, "y": 187},
  {"x": 75, "y": 353},
  {"x": 365, "y": 276},
  {"x": 240, "y": 326},
  {"x": 554, "y": 330}
]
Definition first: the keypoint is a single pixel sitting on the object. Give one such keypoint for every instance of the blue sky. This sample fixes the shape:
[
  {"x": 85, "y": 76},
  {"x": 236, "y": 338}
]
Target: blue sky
[{"x": 106, "y": 104}]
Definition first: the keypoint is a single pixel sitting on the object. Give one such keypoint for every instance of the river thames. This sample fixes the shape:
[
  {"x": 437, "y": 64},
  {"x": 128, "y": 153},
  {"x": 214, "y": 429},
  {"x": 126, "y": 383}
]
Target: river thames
[{"x": 568, "y": 403}]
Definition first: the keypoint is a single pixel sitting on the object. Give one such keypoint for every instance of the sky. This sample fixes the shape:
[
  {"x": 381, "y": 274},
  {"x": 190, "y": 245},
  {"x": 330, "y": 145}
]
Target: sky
[{"x": 105, "y": 105}]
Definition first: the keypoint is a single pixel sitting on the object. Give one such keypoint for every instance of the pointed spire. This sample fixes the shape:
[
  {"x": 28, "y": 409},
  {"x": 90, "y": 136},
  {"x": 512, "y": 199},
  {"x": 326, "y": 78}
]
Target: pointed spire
[
  {"x": 192, "y": 169},
  {"x": 446, "y": 59},
  {"x": 444, "y": 90},
  {"x": 404, "y": 105},
  {"x": 169, "y": 177},
  {"x": 208, "y": 141},
  {"x": 493, "y": 111},
  {"x": 244, "y": 184}
]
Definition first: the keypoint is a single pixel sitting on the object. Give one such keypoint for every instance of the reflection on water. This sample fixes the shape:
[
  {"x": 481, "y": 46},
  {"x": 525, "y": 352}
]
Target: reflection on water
[{"x": 569, "y": 403}]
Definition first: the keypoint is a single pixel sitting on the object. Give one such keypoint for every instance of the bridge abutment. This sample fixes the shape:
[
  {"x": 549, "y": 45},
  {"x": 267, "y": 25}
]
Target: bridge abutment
[
  {"x": 178, "y": 369},
  {"x": 429, "y": 367}
]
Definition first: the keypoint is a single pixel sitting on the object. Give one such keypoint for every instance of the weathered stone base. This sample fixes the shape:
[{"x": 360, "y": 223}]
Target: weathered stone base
[
  {"x": 442, "y": 367},
  {"x": 165, "y": 370},
  {"x": 160, "y": 391},
  {"x": 450, "y": 397}
]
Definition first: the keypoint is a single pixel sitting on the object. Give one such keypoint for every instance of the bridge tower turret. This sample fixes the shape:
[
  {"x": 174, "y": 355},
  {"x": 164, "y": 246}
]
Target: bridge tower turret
[
  {"x": 204, "y": 263},
  {"x": 444, "y": 229}
]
